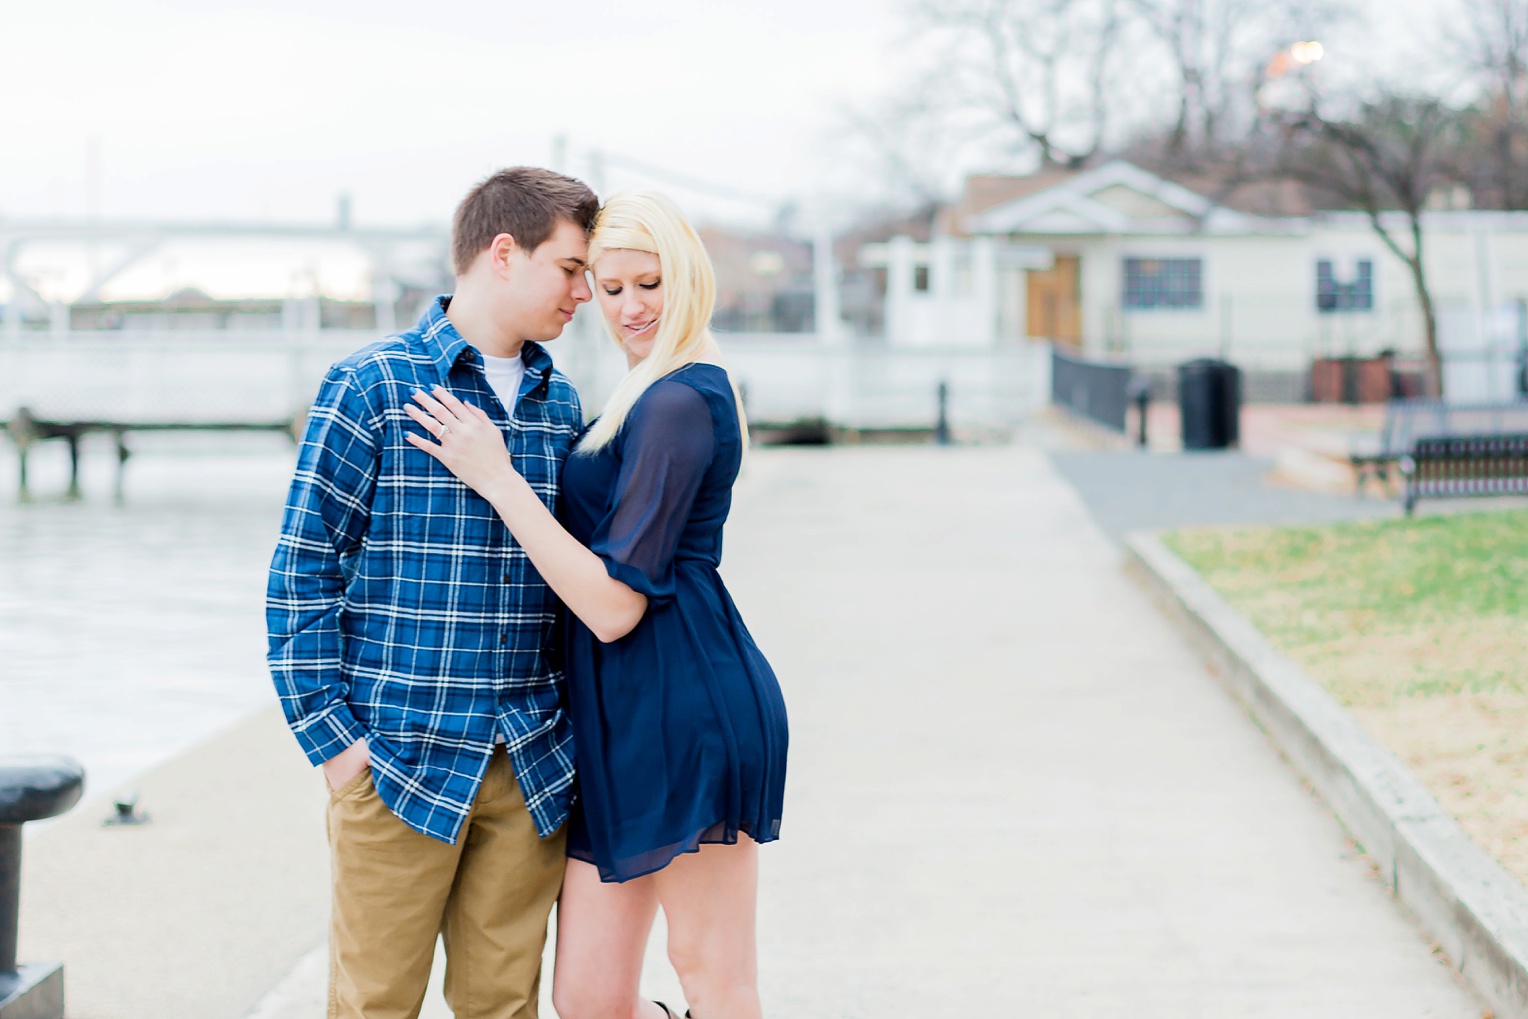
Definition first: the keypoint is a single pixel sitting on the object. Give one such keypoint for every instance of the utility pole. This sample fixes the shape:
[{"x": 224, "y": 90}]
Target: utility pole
[
  {"x": 92, "y": 179},
  {"x": 597, "y": 172},
  {"x": 825, "y": 287},
  {"x": 92, "y": 201}
]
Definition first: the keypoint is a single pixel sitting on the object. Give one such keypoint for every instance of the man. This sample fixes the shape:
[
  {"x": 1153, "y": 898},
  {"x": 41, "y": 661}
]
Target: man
[{"x": 409, "y": 632}]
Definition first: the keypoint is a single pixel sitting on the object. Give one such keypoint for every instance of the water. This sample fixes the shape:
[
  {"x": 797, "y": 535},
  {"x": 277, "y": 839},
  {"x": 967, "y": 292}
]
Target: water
[{"x": 130, "y": 633}]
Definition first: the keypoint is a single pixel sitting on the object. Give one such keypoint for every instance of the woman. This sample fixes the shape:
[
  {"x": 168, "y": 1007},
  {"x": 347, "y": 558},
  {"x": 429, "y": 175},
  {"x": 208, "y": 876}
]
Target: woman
[{"x": 677, "y": 718}]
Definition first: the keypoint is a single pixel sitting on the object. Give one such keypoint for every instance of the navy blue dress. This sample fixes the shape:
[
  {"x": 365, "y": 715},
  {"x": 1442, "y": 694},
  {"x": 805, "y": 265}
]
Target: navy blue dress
[{"x": 679, "y": 727}]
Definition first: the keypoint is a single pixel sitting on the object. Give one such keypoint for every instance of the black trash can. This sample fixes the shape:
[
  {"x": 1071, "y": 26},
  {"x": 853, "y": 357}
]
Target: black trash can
[{"x": 1209, "y": 401}]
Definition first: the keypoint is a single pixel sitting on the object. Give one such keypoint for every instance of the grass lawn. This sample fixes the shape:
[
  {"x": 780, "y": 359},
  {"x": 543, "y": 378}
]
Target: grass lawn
[{"x": 1420, "y": 627}]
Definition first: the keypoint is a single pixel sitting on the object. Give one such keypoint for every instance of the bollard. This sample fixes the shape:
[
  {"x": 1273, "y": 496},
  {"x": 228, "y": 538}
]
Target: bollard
[
  {"x": 1140, "y": 392},
  {"x": 23, "y": 433},
  {"x": 73, "y": 438},
  {"x": 30, "y": 790},
  {"x": 942, "y": 424},
  {"x": 123, "y": 453}
]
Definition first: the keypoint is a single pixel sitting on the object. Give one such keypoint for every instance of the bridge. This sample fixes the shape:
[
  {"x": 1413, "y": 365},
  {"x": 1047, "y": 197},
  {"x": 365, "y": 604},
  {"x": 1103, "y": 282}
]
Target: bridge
[{"x": 391, "y": 251}]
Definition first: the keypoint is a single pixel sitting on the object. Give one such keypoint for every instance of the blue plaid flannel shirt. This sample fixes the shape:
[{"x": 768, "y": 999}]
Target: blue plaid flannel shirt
[{"x": 400, "y": 608}]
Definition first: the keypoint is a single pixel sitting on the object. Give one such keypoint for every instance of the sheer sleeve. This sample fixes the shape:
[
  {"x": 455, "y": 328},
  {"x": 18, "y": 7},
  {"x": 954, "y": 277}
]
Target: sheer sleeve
[{"x": 666, "y": 445}]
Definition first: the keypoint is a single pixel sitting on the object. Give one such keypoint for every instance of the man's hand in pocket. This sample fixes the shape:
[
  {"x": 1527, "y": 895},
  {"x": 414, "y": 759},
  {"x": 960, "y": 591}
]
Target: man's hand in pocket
[{"x": 347, "y": 764}]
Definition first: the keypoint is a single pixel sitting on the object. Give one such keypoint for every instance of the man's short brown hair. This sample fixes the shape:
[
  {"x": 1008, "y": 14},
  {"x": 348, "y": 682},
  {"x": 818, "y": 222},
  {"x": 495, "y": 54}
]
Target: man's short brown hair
[{"x": 525, "y": 202}]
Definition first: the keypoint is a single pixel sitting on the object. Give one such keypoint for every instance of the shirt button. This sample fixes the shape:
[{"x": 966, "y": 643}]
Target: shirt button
[
  {"x": 503, "y": 638},
  {"x": 508, "y": 579}
]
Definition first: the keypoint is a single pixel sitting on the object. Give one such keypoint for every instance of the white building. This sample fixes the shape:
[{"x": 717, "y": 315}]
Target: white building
[{"x": 1119, "y": 262}]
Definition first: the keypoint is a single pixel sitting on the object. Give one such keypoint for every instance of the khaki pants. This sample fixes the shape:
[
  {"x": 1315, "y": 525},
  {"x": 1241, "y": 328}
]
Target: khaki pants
[{"x": 395, "y": 890}]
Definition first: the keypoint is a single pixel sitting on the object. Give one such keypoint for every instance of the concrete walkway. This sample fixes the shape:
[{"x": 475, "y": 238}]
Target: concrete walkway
[
  {"x": 1134, "y": 491},
  {"x": 1014, "y": 792}
]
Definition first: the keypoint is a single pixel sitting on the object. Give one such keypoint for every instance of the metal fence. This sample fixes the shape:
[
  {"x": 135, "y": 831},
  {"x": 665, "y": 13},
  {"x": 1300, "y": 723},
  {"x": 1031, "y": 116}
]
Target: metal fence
[{"x": 1096, "y": 390}]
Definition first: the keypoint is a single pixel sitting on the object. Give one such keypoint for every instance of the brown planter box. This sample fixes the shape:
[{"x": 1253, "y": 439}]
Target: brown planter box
[{"x": 1351, "y": 380}]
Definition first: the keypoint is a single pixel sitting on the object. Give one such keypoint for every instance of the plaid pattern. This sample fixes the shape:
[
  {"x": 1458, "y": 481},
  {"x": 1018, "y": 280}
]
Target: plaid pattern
[{"x": 399, "y": 607}]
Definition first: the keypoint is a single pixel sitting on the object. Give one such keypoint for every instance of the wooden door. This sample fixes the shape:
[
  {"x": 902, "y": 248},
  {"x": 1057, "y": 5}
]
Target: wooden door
[{"x": 1054, "y": 307}]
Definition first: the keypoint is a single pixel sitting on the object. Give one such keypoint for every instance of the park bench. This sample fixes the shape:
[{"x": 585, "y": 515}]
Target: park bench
[
  {"x": 1410, "y": 420},
  {"x": 26, "y": 430},
  {"x": 1465, "y": 465}
]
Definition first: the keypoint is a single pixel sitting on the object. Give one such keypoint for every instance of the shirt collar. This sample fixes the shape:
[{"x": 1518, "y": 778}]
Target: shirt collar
[
  {"x": 446, "y": 346},
  {"x": 441, "y": 340}
]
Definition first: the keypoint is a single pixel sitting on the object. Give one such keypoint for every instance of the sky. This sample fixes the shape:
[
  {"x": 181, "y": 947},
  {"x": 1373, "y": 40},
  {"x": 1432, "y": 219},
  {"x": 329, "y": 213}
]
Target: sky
[
  {"x": 198, "y": 109},
  {"x": 269, "y": 111},
  {"x": 206, "y": 110}
]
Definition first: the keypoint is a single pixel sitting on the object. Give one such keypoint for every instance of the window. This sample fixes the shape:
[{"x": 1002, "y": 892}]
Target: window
[
  {"x": 1163, "y": 283},
  {"x": 920, "y": 279},
  {"x": 1336, "y": 295}
]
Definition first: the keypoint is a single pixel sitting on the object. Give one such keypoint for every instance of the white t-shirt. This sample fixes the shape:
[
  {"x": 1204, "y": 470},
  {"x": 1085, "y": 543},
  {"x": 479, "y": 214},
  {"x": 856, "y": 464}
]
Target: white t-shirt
[{"x": 504, "y": 375}]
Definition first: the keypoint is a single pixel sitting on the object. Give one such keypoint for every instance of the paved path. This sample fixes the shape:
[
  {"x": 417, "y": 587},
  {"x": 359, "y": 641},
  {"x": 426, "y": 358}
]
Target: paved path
[
  {"x": 1014, "y": 790},
  {"x": 1134, "y": 491}
]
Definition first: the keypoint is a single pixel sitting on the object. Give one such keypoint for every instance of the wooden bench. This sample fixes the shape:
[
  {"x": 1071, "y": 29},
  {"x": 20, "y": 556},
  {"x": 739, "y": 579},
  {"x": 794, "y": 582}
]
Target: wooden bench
[
  {"x": 1466, "y": 465},
  {"x": 26, "y": 430},
  {"x": 1409, "y": 420}
]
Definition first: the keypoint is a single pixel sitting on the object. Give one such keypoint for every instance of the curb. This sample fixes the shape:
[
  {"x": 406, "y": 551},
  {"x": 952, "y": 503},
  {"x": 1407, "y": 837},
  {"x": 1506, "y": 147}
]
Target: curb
[{"x": 1464, "y": 899}]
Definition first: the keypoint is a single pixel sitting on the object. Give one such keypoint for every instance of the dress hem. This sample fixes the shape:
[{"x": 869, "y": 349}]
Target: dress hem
[{"x": 691, "y": 845}]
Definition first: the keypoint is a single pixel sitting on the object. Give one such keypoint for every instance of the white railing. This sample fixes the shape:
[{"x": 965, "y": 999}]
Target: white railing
[
  {"x": 241, "y": 377},
  {"x": 192, "y": 378}
]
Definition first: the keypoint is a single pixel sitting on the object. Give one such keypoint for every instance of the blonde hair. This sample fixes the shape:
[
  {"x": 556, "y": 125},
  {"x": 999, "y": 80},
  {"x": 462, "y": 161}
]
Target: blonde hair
[{"x": 651, "y": 222}]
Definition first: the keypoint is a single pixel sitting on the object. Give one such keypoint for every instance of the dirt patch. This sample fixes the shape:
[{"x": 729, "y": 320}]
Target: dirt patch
[
  {"x": 1384, "y": 662},
  {"x": 1471, "y": 751}
]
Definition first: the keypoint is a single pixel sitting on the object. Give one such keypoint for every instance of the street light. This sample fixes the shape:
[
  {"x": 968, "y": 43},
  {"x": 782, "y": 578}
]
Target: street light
[
  {"x": 1307, "y": 52},
  {"x": 1282, "y": 85},
  {"x": 1301, "y": 54}
]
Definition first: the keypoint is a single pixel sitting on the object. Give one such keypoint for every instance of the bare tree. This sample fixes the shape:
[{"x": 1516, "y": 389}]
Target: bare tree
[
  {"x": 1064, "y": 80},
  {"x": 1037, "y": 71},
  {"x": 1490, "y": 44},
  {"x": 1200, "y": 38},
  {"x": 1220, "y": 53},
  {"x": 906, "y": 145},
  {"x": 1386, "y": 160}
]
